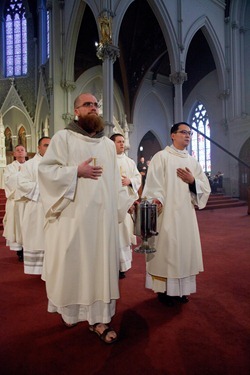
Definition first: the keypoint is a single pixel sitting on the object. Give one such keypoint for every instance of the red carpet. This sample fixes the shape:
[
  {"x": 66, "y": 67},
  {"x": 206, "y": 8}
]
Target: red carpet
[{"x": 208, "y": 336}]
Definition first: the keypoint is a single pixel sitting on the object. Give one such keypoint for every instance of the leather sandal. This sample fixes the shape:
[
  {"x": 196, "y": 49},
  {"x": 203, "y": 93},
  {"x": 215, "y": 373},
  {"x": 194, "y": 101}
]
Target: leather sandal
[{"x": 104, "y": 335}]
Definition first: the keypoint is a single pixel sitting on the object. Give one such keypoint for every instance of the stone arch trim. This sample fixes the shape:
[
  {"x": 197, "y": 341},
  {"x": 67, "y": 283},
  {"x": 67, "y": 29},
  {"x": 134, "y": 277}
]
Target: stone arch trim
[
  {"x": 146, "y": 92},
  {"x": 164, "y": 20},
  {"x": 238, "y": 12},
  {"x": 153, "y": 132},
  {"x": 163, "y": 17},
  {"x": 119, "y": 12},
  {"x": 205, "y": 25},
  {"x": 71, "y": 39}
]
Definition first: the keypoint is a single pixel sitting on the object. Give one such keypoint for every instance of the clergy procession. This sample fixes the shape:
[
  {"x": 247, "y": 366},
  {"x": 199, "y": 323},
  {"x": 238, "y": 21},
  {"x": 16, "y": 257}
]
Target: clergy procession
[{"x": 70, "y": 217}]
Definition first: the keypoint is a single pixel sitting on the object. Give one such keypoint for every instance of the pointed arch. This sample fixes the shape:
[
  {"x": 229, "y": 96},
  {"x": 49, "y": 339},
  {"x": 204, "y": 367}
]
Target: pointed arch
[
  {"x": 148, "y": 146},
  {"x": 21, "y": 136},
  {"x": 206, "y": 27},
  {"x": 8, "y": 139},
  {"x": 72, "y": 38},
  {"x": 200, "y": 146},
  {"x": 160, "y": 11},
  {"x": 15, "y": 42},
  {"x": 42, "y": 113}
]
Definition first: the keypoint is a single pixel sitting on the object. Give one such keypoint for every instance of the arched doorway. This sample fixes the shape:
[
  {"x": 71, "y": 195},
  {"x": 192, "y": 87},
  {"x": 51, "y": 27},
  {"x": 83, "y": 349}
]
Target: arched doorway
[{"x": 148, "y": 146}]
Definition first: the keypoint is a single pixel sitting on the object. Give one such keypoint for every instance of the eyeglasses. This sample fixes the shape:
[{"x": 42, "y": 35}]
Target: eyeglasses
[
  {"x": 185, "y": 132},
  {"x": 89, "y": 104}
]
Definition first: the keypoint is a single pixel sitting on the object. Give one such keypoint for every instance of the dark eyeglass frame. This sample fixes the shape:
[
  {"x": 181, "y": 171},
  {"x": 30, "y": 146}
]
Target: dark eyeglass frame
[
  {"x": 185, "y": 132},
  {"x": 89, "y": 104}
]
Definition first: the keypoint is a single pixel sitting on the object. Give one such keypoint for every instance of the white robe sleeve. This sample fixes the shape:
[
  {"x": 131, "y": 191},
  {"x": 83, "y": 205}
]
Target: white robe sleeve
[
  {"x": 10, "y": 178},
  {"x": 155, "y": 181},
  {"x": 27, "y": 184},
  {"x": 56, "y": 177},
  {"x": 202, "y": 189},
  {"x": 135, "y": 178}
]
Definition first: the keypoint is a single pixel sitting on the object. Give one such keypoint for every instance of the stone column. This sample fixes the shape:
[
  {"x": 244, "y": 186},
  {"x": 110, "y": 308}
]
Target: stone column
[
  {"x": 178, "y": 78},
  {"x": 223, "y": 96},
  {"x": 126, "y": 134},
  {"x": 108, "y": 53},
  {"x": 68, "y": 87}
]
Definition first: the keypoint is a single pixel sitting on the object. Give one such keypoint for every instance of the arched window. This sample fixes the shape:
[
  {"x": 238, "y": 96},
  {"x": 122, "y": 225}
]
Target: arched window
[
  {"x": 200, "y": 145},
  {"x": 8, "y": 139},
  {"x": 15, "y": 38},
  {"x": 48, "y": 31},
  {"x": 44, "y": 20},
  {"x": 22, "y": 137}
]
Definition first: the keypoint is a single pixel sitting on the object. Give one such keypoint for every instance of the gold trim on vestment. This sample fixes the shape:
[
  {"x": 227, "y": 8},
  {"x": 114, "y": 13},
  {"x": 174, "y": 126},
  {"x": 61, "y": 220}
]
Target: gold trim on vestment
[{"x": 159, "y": 278}]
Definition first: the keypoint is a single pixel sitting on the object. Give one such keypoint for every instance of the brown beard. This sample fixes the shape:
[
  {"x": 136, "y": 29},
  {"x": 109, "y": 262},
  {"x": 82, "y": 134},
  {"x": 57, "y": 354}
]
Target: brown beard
[{"x": 91, "y": 123}]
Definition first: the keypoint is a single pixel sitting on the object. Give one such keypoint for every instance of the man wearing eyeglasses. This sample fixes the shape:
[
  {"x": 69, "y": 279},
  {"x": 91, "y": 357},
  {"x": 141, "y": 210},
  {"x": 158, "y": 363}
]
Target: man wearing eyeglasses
[
  {"x": 83, "y": 200},
  {"x": 176, "y": 183}
]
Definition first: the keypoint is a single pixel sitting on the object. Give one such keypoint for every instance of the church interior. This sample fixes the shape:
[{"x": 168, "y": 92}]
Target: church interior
[{"x": 150, "y": 64}]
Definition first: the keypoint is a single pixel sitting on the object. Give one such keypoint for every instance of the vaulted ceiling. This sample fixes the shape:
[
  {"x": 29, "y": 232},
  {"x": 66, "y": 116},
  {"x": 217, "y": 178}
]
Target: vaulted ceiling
[{"x": 142, "y": 49}]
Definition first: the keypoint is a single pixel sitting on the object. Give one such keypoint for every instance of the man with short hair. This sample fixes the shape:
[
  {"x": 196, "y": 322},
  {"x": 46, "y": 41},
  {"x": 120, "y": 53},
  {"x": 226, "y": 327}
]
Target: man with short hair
[
  {"x": 83, "y": 200},
  {"x": 33, "y": 219},
  {"x": 13, "y": 211},
  {"x": 131, "y": 179},
  {"x": 176, "y": 183}
]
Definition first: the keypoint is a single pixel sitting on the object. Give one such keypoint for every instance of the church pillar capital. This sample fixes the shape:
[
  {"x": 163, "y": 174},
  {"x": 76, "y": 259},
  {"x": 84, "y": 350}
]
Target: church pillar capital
[
  {"x": 107, "y": 51},
  {"x": 108, "y": 128},
  {"x": 178, "y": 78},
  {"x": 67, "y": 117},
  {"x": 68, "y": 85}
]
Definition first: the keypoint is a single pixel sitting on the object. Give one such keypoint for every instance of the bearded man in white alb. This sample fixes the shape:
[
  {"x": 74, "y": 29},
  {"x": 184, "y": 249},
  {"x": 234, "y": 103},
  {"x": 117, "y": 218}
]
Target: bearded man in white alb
[
  {"x": 33, "y": 217},
  {"x": 13, "y": 211},
  {"x": 83, "y": 198},
  {"x": 176, "y": 183},
  {"x": 131, "y": 179}
]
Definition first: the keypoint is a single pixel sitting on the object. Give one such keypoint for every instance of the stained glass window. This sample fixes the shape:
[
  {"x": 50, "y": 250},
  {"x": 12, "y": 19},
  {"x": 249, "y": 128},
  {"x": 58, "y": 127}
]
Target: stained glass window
[
  {"x": 22, "y": 137},
  {"x": 15, "y": 38},
  {"x": 48, "y": 34},
  {"x": 200, "y": 146},
  {"x": 8, "y": 139}
]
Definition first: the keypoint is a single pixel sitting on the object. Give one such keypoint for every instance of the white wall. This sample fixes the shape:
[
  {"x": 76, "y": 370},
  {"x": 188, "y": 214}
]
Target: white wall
[{"x": 153, "y": 112}]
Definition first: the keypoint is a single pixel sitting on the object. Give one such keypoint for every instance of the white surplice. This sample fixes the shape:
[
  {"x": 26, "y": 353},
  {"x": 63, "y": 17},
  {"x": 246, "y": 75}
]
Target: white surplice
[
  {"x": 81, "y": 264},
  {"x": 178, "y": 256},
  {"x": 128, "y": 168},
  {"x": 33, "y": 217},
  {"x": 13, "y": 210}
]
